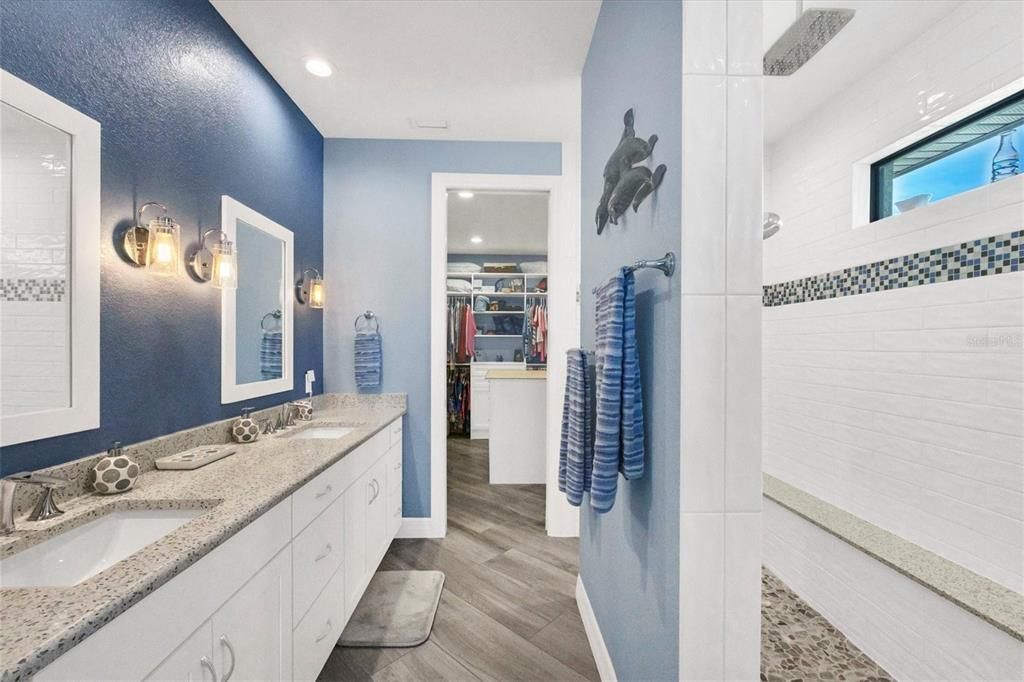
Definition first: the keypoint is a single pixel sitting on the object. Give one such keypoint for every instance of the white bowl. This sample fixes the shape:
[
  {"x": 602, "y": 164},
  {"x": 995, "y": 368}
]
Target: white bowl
[{"x": 916, "y": 201}]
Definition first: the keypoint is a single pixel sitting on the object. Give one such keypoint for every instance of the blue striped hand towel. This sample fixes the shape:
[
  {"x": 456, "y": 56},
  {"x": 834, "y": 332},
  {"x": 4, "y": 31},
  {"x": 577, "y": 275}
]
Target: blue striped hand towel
[
  {"x": 368, "y": 359},
  {"x": 575, "y": 456},
  {"x": 270, "y": 355},
  {"x": 618, "y": 437}
]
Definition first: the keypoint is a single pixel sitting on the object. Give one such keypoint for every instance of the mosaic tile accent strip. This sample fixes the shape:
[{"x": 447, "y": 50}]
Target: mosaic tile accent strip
[
  {"x": 797, "y": 643},
  {"x": 33, "y": 290},
  {"x": 967, "y": 260}
]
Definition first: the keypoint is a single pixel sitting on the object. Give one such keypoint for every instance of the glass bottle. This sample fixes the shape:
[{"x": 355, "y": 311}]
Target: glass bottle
[{"x": 1006, "y": 162}]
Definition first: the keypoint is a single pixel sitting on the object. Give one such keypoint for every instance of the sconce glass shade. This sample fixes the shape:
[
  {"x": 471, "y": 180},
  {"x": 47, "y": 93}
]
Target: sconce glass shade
[
  {"x": 224, "y": 270},
  {"x": 316, "y": 293},
  {"x": 164, "y": 243}
]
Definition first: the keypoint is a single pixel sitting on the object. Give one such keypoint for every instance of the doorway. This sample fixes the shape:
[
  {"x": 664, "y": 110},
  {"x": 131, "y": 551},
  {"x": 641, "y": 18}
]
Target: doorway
[{"x": 517, "y": 224}]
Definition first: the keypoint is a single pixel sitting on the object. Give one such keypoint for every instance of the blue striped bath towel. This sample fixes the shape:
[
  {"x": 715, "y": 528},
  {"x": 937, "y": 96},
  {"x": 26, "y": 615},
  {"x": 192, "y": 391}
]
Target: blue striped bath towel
[
  {"x": 575, "y": 456},
  {"x": 270, "y": 355},
  {"x": 618, "y": 437},
  {"x": 368, "y": 359}
]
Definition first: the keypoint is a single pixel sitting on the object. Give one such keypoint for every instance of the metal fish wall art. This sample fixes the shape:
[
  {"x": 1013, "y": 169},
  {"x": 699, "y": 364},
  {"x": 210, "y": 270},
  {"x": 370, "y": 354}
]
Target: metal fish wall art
[{"x": 626, "y": 183}]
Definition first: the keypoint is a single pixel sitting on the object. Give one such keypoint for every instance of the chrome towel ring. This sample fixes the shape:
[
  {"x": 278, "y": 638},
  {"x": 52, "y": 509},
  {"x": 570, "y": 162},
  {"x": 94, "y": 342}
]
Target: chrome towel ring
[
  {"x": 369, "y": 317},
  {"x": 275, "y": 324}
]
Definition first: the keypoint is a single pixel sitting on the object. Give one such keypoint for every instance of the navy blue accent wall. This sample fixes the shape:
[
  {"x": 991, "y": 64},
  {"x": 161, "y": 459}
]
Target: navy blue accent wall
[
  {"x": 377, "y": 232},
  {"x": 629, "y": 557},
  {"x": 188, "y": 114}
]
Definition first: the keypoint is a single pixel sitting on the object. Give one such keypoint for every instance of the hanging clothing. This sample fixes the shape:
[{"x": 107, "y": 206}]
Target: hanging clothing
[
  {"x": 618, "y": 437},
  {"x": 535, "y": 333},
  {"x": 576, "y": 449},
  {"x": 458, "y": 401}
]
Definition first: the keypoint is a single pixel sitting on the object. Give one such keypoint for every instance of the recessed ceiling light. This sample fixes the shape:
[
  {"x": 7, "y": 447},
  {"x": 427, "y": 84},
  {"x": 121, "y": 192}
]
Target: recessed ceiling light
[
  {"x": 465, "y": 194},
  {"x": 477, "y": 240},
  {"x": 318, "y": 67}
]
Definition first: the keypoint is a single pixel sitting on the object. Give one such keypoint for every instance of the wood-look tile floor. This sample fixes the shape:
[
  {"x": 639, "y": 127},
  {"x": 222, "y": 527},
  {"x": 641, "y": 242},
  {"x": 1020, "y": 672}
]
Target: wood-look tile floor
[{"x": 508, "y": 610}]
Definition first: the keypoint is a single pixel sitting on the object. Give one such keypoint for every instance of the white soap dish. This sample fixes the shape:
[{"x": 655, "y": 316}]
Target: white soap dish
[{"x": 196, "y": 457}]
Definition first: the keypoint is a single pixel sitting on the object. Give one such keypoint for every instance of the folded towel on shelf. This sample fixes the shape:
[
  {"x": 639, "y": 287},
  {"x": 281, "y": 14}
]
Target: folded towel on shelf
[
  {"x": 575, "y": 455},
  {"x": 368, "y": 359},
  {"x": 618, "y": 437},
  {"x": 270, "y": 355}
]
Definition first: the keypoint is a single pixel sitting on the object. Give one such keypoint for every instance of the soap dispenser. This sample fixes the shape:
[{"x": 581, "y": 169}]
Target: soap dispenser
[
  {"x": 245, "y": 429},
  {"x": 115, "y": 473}
]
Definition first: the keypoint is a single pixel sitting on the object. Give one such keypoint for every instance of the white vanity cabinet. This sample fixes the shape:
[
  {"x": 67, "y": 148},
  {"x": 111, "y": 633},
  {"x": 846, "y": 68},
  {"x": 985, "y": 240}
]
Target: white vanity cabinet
[{"x": 271, "y": 601}]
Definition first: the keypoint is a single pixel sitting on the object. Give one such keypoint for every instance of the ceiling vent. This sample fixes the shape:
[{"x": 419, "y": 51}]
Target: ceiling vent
[{"x": 428, "y": 124}]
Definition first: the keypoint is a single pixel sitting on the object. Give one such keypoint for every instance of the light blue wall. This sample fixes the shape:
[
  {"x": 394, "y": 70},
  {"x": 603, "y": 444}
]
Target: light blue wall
[
  {"x": 629, "y": 557},
  {"x": 377, "y": 251}
]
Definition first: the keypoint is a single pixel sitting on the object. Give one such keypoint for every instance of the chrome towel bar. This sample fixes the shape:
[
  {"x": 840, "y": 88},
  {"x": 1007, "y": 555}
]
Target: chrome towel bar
[{"x": 667, "y": 264}]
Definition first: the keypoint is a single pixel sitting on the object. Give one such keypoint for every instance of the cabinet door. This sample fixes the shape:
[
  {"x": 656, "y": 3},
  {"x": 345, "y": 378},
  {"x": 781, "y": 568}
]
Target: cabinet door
[
  {"x": 252, "y": 632},
  {"x": 191, "y": 662},
  {"x": 354, "y": 563},
  {"x": 376, "y": 515}
]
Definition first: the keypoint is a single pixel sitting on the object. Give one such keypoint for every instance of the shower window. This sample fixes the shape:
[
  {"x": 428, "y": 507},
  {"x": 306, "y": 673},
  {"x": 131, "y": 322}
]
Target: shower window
[{"x": 977, "y": 151}]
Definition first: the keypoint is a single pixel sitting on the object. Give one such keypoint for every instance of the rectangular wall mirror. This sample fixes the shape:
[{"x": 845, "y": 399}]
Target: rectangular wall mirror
[
  {"x": 49, "y": 265},
  {"x": 257, "y": 330}
]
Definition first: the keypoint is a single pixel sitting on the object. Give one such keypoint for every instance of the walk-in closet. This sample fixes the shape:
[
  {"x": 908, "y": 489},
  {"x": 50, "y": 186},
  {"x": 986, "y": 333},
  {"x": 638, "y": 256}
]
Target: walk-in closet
[{"x": 497, "y": 328}]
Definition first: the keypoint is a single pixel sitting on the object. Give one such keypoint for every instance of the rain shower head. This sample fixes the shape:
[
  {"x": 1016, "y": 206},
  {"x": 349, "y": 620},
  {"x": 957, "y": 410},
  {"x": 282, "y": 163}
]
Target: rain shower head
[
  {"x": 772, "y": 224},
  {"x": 801, "y": 41}
]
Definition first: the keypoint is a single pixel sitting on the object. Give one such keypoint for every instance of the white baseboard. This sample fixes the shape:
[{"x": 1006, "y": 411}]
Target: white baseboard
[
  {"x": 423, "y": 527},
  {"x": 602, "y": 658}
]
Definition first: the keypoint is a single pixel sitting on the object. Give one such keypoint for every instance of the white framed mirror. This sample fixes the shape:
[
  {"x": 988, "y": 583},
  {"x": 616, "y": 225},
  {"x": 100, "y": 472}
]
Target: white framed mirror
[
  {"x": 256, "y": 329},
  {"x": 49, "y": 265}
]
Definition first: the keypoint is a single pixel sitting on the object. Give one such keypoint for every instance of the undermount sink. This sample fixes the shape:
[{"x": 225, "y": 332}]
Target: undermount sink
[
  {"x": 323, "y": 432},
  {"x": 80, "y": 553}
]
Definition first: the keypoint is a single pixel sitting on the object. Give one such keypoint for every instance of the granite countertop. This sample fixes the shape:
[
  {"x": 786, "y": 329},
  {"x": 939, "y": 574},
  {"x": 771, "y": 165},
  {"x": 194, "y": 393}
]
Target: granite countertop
[
  {"x": 40, "y": 624},
  {"x": 517, "y": 374},
  {"x": 990, "y": 601}
]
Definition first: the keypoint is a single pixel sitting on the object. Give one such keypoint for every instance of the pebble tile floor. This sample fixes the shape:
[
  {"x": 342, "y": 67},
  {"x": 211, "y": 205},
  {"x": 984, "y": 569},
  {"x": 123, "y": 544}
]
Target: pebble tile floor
[{"x": 508, "y": 611}]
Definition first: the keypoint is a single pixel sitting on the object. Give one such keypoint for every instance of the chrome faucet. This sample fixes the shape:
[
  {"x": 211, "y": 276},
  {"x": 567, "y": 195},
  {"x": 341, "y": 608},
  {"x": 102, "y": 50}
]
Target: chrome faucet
[{"x": 45, "y": 508}]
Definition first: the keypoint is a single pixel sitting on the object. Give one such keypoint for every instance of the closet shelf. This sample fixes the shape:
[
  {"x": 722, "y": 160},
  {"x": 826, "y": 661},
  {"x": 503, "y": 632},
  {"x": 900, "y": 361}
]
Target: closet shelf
[
  {"x": 499, "y": 336},
  {"x": 497, "y": 312},
  {"x": 496, "y": 275}
]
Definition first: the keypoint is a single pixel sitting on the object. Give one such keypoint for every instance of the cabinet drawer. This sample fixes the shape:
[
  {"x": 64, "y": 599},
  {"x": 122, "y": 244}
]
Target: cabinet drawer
[
  {"x": 317, "y": 633},
  {"x": 316, "y": 554},
  {"x": 394, "y": 471},
  {"x": 314, "y": 497}
]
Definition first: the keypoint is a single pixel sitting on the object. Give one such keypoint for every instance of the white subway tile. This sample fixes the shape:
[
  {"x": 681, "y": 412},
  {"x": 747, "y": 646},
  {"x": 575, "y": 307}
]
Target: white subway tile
[
  {"x": 742, "y": 596},
  {"x": 701, "y": 596},
  {"x": 703, "y": 266},
  {"x": 702, "y": 421},
  {"x": 743, "y": 404},
  {"x": 746, "y": 52},
  {"x": 704, "y": 36},
  {"x": 744, "y": 157}
]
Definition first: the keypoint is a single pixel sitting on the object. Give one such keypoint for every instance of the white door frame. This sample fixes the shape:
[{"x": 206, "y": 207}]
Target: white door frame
[{"x": 563, "y": 278}]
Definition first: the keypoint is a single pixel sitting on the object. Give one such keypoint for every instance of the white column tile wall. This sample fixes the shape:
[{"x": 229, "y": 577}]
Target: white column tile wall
[{"x": 720, "y": 478}]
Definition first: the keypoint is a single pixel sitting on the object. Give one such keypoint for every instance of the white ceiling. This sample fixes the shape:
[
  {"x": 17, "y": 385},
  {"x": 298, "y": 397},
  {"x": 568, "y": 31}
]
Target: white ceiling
[
  {"x": 879, "y": 29},
  {"x": 507, "y": 222},
  {"x": 497, "y": 70}
]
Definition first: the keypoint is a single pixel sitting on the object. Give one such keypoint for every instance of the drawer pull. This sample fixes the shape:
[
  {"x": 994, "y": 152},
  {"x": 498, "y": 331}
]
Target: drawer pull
[
  {"x": 324, "y": 554},
  {"x": 398, "y": 466},
  {"x": 375, "y": 487},
  {"x": 325, "y": 491},
  {"x": 326, "y": 632}
]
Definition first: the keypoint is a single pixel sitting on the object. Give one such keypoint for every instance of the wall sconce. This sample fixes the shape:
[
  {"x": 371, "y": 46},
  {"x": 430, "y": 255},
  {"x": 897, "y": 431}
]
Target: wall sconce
[
  {"x": 311, "y": 289},
  {"x": 155, "y": 246},
  {"x": 216, "y": 263}
]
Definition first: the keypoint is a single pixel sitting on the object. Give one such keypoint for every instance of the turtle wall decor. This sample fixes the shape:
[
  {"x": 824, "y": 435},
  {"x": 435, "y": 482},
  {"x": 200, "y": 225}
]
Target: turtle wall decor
[{"x": 624, "y": 182}]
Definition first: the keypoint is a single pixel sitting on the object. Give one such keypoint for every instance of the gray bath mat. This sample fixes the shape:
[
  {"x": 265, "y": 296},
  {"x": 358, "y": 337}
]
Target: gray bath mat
[{"x": 397, "y": 610}]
